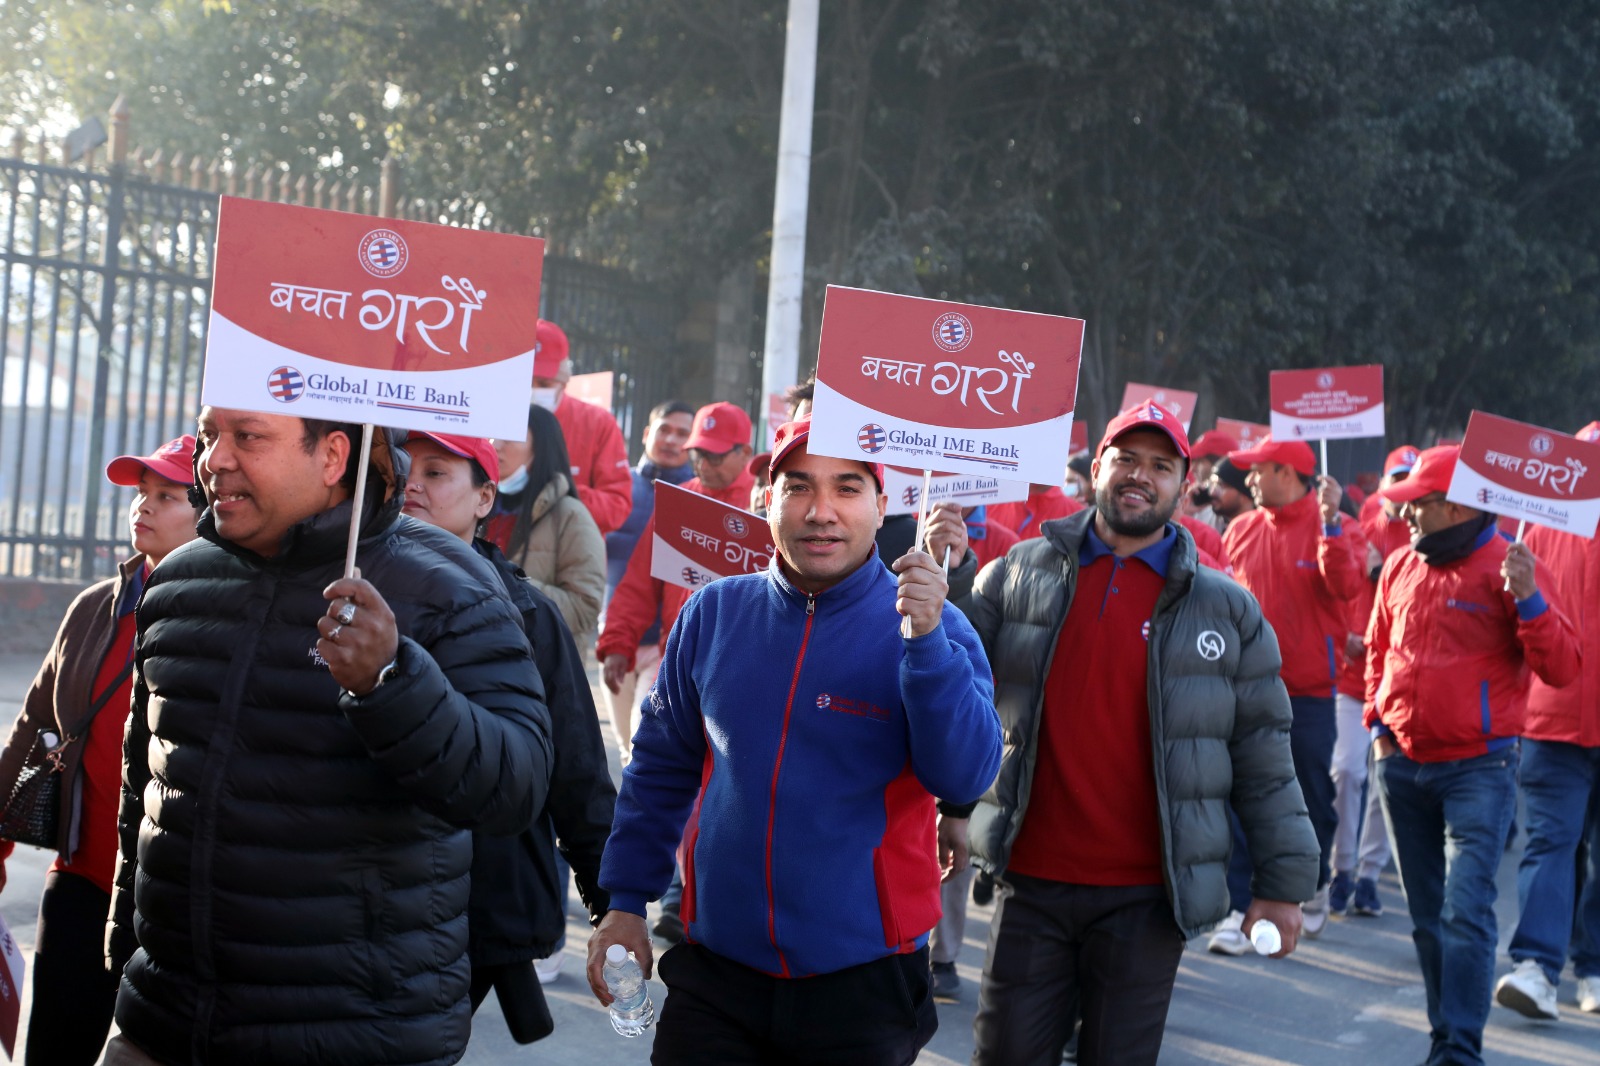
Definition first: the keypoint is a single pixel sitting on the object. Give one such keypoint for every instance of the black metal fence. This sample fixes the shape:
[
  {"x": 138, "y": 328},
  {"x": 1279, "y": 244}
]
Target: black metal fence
[{"x": 105, "y": 285}]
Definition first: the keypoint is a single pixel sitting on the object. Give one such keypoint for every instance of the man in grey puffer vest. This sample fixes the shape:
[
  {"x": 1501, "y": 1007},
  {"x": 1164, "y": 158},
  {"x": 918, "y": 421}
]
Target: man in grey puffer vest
[{"x": 1139, "y": 696}]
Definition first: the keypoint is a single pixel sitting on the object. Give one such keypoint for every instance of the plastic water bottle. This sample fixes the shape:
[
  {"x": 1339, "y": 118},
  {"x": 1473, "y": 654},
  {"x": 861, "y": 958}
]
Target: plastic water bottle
[
  {"x": 1265, "y": 937},
  {"x": 631, "y": 1010}
]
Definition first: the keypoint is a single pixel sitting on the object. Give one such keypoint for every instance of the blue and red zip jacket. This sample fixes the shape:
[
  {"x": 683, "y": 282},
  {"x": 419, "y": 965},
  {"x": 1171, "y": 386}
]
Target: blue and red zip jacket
[{"x": 815, "y": 738}]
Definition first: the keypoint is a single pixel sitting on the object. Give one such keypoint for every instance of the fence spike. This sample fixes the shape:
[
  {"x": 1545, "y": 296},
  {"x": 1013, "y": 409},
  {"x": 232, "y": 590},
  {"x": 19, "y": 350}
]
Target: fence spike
[
  {"x": 301, "y": 189},
  {"x": 250, "y": 182},
  {"x": 386, "y": 188},
  {"x": 197, "y": 172},
  {"x": 232, "y": 184},
  {"x": 156, "y": 165},
  {"x": 214, "y": 176},
  {"x": 120, "y": 116},
  {"x": 318, "y": 187}
]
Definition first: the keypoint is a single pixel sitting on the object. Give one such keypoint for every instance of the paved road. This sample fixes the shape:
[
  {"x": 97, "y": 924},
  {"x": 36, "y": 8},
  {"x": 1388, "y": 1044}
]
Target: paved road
[{"x": 1352, "y": 997}]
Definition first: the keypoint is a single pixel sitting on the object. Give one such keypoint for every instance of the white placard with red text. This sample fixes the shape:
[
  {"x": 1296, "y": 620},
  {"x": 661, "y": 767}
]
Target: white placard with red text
[
  {"x": 1527, "y": 472},
  {"x": 11, "y": 971},
  {"x": 777, "y": 415},
  {"x": 903, "y": 486},
  {"x": 1248, "y": 434},
  {"x": 1333, "y": 403},
  {"x": 1177, "y": 401},
  {"x": 323, "y": 314},
  {"x": 593, "y": 388},
  {"x": 935, "y": 385},
  {"x": 698, "y": 539}
]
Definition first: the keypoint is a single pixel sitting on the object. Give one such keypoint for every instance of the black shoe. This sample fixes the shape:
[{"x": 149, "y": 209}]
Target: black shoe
[
  {"x": 946, "y": 983},
  {"x": 669, "y": 927},
  {"x": 983, "y": 888}
]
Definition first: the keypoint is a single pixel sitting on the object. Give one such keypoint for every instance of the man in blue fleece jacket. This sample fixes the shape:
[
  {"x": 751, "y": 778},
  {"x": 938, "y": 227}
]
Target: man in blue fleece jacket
[{"x": 808, "y": 738}]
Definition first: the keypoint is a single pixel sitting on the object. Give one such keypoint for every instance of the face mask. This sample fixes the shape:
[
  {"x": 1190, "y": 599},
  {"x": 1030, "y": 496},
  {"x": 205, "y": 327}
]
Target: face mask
[
  {"x": 547, "y": 398},
  {"x": 1070, "y": 489},
  {"x": 516, "y": 482}
]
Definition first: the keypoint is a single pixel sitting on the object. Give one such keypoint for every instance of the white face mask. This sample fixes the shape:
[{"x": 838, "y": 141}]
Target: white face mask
[
  {"x": 1070, "y": 489},
  {"x": 547, "y": 398},
  {"x": 516, "y": 482}
]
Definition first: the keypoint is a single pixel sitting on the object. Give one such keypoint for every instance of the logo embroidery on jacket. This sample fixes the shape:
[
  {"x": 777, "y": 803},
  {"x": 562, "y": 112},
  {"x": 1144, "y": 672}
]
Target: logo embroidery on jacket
[
  {"x": 1210, "y": 645},
  {"x": 845, "y": 705},
  {"x": 315, "y": 656}
]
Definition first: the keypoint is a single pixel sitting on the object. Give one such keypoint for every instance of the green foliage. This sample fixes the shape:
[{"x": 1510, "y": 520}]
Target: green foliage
[{"x": 1218, "y": 187}]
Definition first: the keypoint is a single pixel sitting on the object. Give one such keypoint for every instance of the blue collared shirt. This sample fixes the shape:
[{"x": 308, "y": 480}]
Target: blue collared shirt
[{"x": 1156, "y": 556}]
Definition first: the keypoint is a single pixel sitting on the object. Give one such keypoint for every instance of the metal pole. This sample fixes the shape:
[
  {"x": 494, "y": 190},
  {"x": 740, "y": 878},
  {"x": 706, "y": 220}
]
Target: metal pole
[{"x": 786, "y": 284}]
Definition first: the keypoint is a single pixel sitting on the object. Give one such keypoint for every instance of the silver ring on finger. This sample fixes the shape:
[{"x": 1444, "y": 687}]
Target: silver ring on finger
[
  {"x": 333, "y": 634},
  {"x": 346, "y": 614}
]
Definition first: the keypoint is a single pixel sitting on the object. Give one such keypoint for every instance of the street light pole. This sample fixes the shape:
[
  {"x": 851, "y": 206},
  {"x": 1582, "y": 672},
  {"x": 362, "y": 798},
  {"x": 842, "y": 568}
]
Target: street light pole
[{"x": 786, "y": 281}]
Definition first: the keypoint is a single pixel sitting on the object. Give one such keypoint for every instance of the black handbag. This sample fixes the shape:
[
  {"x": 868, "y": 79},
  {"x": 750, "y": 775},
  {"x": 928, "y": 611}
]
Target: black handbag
[{"x": 32, "y": 813}]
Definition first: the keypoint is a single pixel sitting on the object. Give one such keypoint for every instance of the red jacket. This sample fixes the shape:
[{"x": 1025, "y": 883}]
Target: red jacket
[
  {"x": 1025, "y": 517},
  {"x": 1389, "y": 534},
  {"x": 1303, "y": 580},
  {"x": 632, "y": 608},
  {"x": 1449, "y": 653},
  {"x": 989, "y": 540},
  {"x": 599, "y": 461},
  {"x": 1570, "y": 713},
  {"x": 1207, "y": 539}
]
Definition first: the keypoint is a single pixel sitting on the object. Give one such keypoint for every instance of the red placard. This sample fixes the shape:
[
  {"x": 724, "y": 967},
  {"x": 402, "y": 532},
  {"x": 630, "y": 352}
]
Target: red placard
[
  {"x": 1332, "y": 403},
  {"x": 324, "y": 314},
  {"x": 777, "y": 415},
  {"x": 593, "y": 388},
  {"x": 1177, "y": 401},
  {"x": 1079, "y": 438},
  {"x": 698, "y": 540},
  {"x": 931, "y": 384},
  {"x": 11, "y": 970},
  {"x": 1248, "y": 434},
  {"x": 1527, "y": 472}
]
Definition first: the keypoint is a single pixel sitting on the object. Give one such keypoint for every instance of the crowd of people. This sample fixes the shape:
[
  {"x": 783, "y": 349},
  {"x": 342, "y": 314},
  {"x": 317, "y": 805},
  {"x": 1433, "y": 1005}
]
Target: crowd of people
[{"x": 316, "y": 818}]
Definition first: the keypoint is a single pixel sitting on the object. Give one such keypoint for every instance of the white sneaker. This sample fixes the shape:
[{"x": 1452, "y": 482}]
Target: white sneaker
[
  {"x": 1314, "y": 914},
  {"x": 549, "y": 969},
  {"x": 1229, "y": 938},
  {"x": 1528, "y": 991},
  {"x": 1589, "y": 994}
]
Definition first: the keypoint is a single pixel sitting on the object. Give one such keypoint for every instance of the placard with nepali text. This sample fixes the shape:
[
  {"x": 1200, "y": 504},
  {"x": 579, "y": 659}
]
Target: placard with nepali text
[
  {"x": 1527, "y": 472},
  {"x": 1177, "y": 401},
  {"x": 1248, "y": 434},
  {"x": 1333, "y": 403},
  {"x": 903, "y": 486},
  {"x": 698, "y": 540},
  {"x": 11, "y": 971},
  {"x": 935, "y": 385},
  {"x": 324, "y": 314}
]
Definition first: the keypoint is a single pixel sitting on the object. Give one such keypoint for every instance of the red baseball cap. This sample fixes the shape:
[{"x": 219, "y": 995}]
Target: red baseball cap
[
  {"x": 1214, "y": 442},
  {"x": 1295, "y": 453},
  {"x": 1400, "y": 461},
  {"x": 550, "y": 349},
  {"x": 1590, "y": 433},
  {"x": 174, "y": 461},
  {"x": 1431, "y": 473},
  {"x": 1147, "y": 415},
  {"x": 719, "y": 428},
  {"x": 478, "y": 449},
  {"x": 791, "y": 435},
  {"x": 759, "y": 465}
]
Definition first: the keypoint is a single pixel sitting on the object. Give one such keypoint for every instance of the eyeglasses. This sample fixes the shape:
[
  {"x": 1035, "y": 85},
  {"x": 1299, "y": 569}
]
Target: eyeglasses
[
  {"x": 710, "y": 458},
  {"x": 1426, "y": 501}
]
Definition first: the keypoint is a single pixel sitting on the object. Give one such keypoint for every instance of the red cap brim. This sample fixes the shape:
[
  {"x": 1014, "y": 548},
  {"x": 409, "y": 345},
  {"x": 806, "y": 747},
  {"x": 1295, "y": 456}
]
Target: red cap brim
[{"x": 127, "y": 469}]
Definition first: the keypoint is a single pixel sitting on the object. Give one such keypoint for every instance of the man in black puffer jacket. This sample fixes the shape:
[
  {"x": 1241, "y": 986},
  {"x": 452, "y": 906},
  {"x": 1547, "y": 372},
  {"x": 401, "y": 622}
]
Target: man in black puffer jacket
[{"x": 304, "y": 760}]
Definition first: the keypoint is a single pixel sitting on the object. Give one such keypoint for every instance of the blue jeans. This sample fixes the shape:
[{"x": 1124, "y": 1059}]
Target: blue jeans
[
  {"x": 1311, "y": 738},
  {"x": 1561, "y": 788},
  {"x": 1448, "y": 822}
]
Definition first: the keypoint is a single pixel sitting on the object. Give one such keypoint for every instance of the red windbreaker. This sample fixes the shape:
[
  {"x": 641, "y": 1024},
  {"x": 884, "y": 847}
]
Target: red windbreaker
[
  {"x": 1570, "y": 713},
  {"x": 632, "y": 608},
  {"x": 1449, "y": 654},
  {"x": 1025, "y": 517},
  {"x": 1206, "y": 538},
  {"x": 1303, "y": 581},
  {"x": 1389, "y": 534},
  {"x": 599, "y": 462}
]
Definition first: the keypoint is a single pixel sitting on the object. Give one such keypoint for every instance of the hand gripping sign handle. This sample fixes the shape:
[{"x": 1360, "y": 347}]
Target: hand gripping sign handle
[
  {"x": 358, "y": 500},
  {"x": 922, "y": 530},
  {"x": 1522, "y": 525}
]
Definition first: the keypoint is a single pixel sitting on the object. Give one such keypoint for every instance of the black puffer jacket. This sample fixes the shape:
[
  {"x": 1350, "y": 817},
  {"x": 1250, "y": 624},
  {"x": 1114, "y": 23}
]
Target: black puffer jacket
[
  {"x": 1219, "y": 720},
  {"x": 302, "y": 856}
]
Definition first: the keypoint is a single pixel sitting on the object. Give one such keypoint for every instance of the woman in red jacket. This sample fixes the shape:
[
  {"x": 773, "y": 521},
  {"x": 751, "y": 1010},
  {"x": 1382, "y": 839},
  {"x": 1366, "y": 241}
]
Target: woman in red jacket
[{"x": 78, "y": 705}]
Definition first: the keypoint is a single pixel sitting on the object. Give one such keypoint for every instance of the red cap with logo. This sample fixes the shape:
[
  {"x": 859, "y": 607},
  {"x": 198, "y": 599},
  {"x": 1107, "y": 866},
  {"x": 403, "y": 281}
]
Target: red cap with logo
[
  {"x": 792, "y": 435},
  {"x": 1294, "y": 453},
  {"x": 478, "y": 449},
  {"x": 719, "y": 428},
  {"x": 1214, "y": 442},
  {"x": 1400, "y": 461},
  {"x": 550, "y": 349},
  {"x": 1432, "y": 473},
  {"x": 1147, "y": 415},
  {"x": 759, "y": 465},
  {"x": 174, "y": 461}
]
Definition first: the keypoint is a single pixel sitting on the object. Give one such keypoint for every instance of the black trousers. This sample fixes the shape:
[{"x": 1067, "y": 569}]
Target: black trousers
[
  {"x": 1113, "y": 950},
  {"x": 73, "y": 995},
  {"x": 719, "y": 1012}
]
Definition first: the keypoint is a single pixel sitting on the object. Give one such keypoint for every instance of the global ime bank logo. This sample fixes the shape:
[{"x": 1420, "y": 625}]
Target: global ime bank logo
[
  {"x": 383, "y": 253},
  {"x": 286, "y": 384},
  {"x": 952, "y": 331},
  {"x": 873, "y": 438}
]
